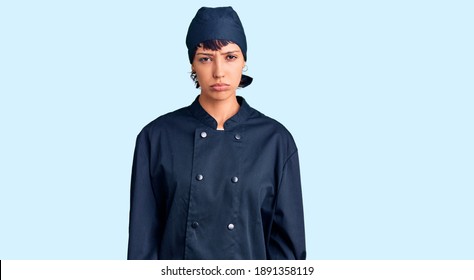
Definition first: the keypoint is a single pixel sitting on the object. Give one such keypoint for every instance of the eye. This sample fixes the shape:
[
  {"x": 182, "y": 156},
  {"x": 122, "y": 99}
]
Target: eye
[
  {"x": 231, "y": 57},
  {"x": 204, "y": 59}
]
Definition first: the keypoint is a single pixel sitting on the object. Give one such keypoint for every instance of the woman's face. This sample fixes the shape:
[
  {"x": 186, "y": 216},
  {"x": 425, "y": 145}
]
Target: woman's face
[{"x": 219, "y": 72}]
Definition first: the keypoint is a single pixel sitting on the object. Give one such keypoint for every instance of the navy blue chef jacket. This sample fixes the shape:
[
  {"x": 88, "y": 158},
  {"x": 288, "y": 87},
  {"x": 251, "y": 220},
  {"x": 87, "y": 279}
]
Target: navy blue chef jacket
[{"x": 202, "y": 193}]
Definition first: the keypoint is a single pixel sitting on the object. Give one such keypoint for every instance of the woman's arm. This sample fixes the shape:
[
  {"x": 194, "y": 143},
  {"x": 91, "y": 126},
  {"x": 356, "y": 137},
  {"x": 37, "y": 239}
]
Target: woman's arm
[
  {"x": 287, "y": 236},
  {"x": 143, "y": 227}
]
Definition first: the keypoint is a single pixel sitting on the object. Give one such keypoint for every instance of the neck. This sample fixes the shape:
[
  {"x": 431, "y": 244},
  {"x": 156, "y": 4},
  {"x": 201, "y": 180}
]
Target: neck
[{"x": 220, "y": 110}]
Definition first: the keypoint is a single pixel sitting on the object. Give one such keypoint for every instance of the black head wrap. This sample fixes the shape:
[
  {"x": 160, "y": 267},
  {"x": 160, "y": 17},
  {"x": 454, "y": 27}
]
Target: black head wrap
[{"x": 221, "y": 23}]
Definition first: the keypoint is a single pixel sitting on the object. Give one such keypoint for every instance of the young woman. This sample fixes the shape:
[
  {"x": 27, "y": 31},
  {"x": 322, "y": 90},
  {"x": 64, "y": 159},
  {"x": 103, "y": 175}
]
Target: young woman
[{"x": 216, "y": 179}]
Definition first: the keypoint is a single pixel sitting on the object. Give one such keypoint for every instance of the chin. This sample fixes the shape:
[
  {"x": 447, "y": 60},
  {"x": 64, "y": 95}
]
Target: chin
[{"x": 219, "y": 95}]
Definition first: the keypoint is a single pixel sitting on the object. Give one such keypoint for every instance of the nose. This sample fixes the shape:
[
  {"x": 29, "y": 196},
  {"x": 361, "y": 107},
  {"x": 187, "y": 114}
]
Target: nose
[{"x": 218, "y": 70}]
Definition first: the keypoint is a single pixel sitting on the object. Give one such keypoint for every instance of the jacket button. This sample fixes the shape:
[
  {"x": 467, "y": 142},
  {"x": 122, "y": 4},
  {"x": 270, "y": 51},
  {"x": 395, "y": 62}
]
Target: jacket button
[
  {"x": 235, "y": 179},
  {"x": 194, "y": 224},
  {"x": 230, "y": 226},
  {"x": 199, "y": 177},
  {"x": 203, "y": 134},
  {"x": 237, "y": 136}
]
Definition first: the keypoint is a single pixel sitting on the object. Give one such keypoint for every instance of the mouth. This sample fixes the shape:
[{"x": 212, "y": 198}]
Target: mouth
[{"x": 220, "y": 87}]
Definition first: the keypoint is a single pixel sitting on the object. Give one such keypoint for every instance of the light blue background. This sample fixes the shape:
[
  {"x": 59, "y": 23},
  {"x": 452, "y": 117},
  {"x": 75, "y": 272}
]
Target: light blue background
[{"x": 378, "y": 95}]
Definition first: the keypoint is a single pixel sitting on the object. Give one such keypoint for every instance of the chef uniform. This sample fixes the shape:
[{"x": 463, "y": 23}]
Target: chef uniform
[{"x": 202, "y": 193}]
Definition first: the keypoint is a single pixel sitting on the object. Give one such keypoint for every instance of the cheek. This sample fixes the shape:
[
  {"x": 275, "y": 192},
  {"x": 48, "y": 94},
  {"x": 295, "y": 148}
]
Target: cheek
[
  {"x": 237, "y": 75},
  {"x": 202, "y": 74}
]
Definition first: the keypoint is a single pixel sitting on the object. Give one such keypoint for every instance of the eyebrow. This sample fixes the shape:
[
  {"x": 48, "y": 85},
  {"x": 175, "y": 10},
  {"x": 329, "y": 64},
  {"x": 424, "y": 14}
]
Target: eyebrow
[{"x": 210, "y": 54}]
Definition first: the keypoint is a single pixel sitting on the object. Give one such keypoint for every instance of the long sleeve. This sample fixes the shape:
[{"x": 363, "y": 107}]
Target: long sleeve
[
  {"x": 287, "y": 236},
  {"x": 143, "y": 228}
]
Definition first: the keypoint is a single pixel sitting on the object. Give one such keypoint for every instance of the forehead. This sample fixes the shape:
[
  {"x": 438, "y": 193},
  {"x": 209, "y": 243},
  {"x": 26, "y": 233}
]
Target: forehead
[{"x": 231, "y": 47}]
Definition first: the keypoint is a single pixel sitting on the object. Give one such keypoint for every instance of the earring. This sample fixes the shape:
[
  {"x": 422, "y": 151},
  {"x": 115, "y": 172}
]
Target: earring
[{"x": 245, "y": 68}]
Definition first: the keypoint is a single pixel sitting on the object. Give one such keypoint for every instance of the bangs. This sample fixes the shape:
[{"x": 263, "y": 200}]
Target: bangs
[{"x": 214, "y": 45}]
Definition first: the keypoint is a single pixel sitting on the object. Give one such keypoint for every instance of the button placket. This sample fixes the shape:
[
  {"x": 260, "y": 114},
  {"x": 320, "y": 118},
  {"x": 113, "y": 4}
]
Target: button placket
[{"x": 199, "y": 174}]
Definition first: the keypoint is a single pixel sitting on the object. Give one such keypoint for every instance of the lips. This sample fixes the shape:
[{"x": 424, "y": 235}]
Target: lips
[{"x": 220, "y": 87}]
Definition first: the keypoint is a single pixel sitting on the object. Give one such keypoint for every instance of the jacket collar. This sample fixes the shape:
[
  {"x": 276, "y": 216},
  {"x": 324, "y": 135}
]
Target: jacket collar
[{"x": 199, "y": 113}]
